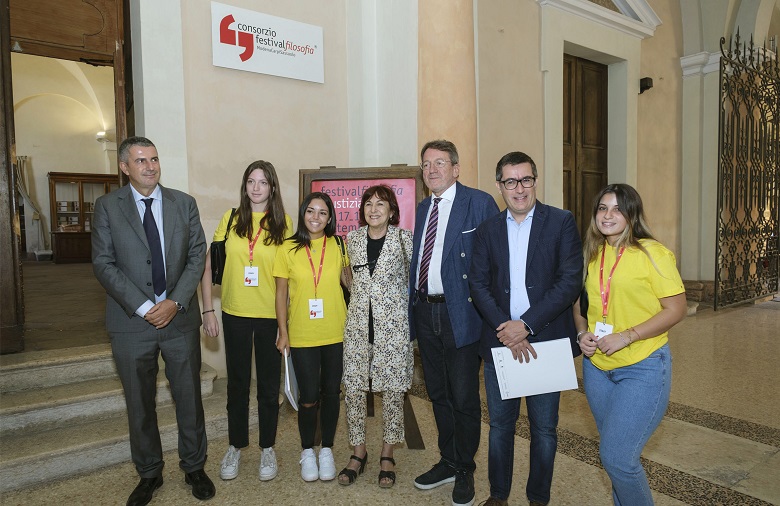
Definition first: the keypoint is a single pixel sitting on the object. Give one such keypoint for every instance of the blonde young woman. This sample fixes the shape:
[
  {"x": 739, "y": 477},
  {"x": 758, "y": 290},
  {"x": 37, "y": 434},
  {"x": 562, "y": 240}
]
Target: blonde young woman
[
  {"x": 257, "y": 228},
  {"x": 377, "y": 351},
  {"x": 635, "y": 295}
]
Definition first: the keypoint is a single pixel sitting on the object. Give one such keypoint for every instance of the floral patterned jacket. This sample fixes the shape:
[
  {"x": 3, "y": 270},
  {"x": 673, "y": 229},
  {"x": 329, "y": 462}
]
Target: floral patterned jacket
[{"x": 389, "y": 361}]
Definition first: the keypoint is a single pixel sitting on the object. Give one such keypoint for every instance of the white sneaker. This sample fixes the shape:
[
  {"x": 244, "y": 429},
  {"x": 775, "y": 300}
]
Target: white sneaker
[
  {"x": 327, "y": 465},
  {"x": 268, "y": 467},
  {"x": 230, "y": 461},
  {"x": 309, "y": 471}
]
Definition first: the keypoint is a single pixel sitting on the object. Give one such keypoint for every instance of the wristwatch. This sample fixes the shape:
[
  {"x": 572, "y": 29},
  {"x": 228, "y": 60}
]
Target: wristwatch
[{"x": 179, "y": 307}]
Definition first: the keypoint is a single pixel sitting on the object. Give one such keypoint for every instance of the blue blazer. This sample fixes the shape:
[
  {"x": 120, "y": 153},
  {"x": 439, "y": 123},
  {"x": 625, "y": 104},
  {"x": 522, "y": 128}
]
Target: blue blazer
[
  {"x": 470, "y": 208},
  {"x": 553, "y": 277}
]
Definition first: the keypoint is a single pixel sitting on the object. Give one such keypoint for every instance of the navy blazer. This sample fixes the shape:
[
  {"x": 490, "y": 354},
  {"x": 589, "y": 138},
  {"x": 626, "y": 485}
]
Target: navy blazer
[
  {"x": 553, "y": 277},
  {"x": 470, "y": 208}
]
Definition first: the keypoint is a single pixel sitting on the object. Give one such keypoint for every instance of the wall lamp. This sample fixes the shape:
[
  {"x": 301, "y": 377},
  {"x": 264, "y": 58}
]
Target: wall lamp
[{"x": 645, "y": 84}]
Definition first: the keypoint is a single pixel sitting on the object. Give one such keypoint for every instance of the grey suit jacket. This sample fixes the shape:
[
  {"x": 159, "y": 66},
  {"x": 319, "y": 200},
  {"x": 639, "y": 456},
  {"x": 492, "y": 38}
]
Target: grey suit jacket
[{"x": 122, "y": 262}]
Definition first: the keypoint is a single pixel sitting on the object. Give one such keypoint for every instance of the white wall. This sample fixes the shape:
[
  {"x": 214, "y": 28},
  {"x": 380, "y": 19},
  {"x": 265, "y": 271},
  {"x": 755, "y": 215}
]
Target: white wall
[{"x": 59, "y": 106}]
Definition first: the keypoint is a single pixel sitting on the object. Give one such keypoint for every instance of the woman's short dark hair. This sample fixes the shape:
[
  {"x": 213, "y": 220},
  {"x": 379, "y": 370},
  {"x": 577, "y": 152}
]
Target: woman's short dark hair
[{"x": 382, "y": 192}]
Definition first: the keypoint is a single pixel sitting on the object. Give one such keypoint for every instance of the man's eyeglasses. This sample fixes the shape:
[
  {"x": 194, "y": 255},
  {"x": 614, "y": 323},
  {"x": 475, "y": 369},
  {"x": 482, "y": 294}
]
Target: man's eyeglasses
[
  {"x": 439, "y": 163},
  {"x": 526, "y": 182}
]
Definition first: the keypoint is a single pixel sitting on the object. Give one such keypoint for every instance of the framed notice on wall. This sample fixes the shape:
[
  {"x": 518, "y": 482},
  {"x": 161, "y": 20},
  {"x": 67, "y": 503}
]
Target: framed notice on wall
[{"x": 346, "y": 187}]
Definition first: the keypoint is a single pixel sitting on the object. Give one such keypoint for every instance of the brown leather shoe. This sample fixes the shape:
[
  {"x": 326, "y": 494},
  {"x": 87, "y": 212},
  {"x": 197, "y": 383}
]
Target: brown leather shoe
[
  {"x": 492, "y": 501},
  {"x": 202, "y": 486},
  {"x": 142, "y": 495}
]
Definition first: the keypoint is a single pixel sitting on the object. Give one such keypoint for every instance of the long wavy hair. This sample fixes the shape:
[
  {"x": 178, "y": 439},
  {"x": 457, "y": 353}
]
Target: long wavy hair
[
  {"x": 273, "y": 222},
  {"x": 301, "y": 236},
  {"x": 630, "y": 206}
]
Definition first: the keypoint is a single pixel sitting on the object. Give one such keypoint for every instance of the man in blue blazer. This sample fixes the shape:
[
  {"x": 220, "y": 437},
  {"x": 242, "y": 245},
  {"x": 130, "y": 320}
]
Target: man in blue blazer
[
  {"x": 525, "y": 277},
  {"x": 443, "y": 318},
  {"x": 148, "y": 252}
]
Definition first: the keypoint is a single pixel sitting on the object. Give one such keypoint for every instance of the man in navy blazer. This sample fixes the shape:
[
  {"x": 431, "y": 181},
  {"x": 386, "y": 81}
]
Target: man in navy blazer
[
  {"x": 148, "y": 252},
  {"x": 525, "y": 277},
  {"x": 443, "y": 318}
]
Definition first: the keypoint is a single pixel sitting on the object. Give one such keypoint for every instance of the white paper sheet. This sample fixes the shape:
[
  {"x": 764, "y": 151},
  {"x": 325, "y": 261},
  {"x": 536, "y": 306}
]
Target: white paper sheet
[
  {"x": 290, "y": 383},
  {"x": 551, "y": 371}
]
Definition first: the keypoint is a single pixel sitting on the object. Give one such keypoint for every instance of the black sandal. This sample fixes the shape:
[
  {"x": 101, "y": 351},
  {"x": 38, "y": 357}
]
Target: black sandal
[
  {"x": 390, "y": 475},
  {"x": 351, "y": 474}
]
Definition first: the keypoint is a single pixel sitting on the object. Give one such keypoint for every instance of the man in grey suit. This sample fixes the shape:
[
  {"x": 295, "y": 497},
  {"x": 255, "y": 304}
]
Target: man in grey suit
[
  {"x": 443, "y": 318},
  {"x": 148, "y": 252}
]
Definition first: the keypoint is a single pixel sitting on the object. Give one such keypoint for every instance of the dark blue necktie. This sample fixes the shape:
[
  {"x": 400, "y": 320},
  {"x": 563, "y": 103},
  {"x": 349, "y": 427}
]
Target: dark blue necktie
[{"x": 153, "y": 237}]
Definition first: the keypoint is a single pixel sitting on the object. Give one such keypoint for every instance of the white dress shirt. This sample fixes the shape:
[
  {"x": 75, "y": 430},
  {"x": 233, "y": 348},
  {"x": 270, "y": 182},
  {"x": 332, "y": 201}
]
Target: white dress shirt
[
  {"x": 518, "y": 236},
  {"x": 435, "y": 285},
  {"x": 158, "y": 218}
]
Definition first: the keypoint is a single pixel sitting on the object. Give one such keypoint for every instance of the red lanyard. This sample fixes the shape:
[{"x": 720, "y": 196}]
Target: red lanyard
[
  {"x": 605, "y": 292},
  {"x": 322, "y": 260},
  {"x": 252, "y": 245}
]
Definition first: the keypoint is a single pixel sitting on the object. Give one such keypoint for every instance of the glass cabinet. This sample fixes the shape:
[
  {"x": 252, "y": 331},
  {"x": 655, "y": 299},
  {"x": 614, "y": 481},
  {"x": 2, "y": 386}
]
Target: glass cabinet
[{"x": 72, "y": 199}]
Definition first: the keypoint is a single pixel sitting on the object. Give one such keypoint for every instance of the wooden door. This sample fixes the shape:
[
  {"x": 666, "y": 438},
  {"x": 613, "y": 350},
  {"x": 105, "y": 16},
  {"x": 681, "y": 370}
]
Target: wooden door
[
  {"x": 91, "y": 31},
  {"x": 584, "y": 135}
]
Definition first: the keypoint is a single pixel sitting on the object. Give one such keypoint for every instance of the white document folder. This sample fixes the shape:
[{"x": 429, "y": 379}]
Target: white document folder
[
  {"x": 290, "y": 383},
  {"x": 551, "y": 371}
]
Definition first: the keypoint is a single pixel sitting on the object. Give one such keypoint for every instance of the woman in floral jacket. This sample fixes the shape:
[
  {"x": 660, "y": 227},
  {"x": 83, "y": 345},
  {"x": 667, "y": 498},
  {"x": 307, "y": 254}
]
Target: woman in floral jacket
[{"x": 377, "y": 351}]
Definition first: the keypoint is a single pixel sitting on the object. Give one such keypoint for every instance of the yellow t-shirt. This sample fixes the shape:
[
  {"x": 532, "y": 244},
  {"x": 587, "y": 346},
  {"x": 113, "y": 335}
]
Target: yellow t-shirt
[
  {"x": 303, "y": 331},
  {"x": 248, "y": 301},
  {"x": 633, "y": 297}
]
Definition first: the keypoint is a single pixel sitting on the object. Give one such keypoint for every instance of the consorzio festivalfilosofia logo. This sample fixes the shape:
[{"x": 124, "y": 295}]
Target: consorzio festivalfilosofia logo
[{"x": 250, "y": 37}]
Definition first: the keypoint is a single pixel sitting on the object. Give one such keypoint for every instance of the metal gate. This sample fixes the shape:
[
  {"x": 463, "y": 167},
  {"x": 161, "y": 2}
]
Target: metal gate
[{"x": 748, "y": 235}]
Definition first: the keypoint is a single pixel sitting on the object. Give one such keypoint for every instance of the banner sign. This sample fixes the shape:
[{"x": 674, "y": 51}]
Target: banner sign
[
  {"x": 246, "y": 40},
  {"x": 347, "y": 194}
]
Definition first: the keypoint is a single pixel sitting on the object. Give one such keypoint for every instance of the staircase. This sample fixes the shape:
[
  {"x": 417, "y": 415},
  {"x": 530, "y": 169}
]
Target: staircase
[{"x": 63, "y": 413}]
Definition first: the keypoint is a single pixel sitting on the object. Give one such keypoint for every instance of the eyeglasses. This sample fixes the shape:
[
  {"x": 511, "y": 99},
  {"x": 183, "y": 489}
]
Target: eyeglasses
[
  {"x": 526, "y": 182},
  {"x": 439, "y": 163}
]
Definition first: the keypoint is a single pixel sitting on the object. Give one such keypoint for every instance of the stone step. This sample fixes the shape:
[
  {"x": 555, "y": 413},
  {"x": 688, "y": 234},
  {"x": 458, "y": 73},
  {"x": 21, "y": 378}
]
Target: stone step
[
  {"x": 33, "y": 410},
  {"x": 42, "y": 369},
  {"x": 33, "y": 458}
]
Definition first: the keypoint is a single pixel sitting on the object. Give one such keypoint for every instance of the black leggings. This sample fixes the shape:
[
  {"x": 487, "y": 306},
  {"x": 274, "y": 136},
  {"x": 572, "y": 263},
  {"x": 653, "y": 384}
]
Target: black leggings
[{"x": 318, "y": 370}]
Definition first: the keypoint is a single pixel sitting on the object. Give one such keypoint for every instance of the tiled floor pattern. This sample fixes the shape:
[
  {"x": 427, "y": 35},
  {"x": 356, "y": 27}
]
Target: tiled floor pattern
[{"x": 719, "y": 443}]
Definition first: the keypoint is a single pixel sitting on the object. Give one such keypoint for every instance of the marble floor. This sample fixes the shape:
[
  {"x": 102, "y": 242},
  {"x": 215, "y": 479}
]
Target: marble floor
[{"x": 719, "y": 443}]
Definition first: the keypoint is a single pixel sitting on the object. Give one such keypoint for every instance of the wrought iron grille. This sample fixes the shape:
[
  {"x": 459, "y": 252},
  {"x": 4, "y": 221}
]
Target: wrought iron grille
[{"x": 748, "y": 235}]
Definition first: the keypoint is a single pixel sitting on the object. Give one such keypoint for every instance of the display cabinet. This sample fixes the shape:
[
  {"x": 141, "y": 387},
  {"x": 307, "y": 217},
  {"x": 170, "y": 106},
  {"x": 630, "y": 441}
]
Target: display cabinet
[{"x": 72, "y": 198}]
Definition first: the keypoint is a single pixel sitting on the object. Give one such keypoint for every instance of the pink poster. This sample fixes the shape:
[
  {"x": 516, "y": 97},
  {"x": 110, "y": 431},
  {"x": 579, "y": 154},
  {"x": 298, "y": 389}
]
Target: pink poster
[{"x": 347, "y": 193}]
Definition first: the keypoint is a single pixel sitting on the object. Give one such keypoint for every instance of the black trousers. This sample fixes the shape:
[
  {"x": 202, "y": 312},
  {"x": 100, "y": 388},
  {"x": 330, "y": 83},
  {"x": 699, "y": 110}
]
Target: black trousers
[
  {"x": 241, "y": 334},
  {"x": 452, "y": 381},
  {"x": 318, "y": 370}
]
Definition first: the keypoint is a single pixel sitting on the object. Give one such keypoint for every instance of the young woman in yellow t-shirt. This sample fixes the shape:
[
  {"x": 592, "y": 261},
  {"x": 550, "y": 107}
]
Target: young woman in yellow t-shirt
[
  {"x": 310, "y": 267},
  {"x": 257, "y": 228},
  {"x": 634, "y": 296}
]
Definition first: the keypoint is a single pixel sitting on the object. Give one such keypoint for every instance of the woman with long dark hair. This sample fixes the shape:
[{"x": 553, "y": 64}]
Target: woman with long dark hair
[
  {"x": 377, "y": 351},
  {"x": 635, "y": 295},
  {"x": 310, "y": 267},
  {"x": 257, "y": 228}
]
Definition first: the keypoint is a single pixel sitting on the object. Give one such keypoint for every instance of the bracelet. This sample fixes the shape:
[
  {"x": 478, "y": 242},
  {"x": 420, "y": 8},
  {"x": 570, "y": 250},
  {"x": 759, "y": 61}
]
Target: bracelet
[
  {"x": 209, "y": 311},
  {"x": 623, "y": 338},
  {"x": 579, "y": 334}
]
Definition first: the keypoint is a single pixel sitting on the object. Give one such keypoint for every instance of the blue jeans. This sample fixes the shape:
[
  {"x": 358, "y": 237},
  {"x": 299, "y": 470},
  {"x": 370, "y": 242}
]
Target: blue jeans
[
  {"x": 543, "y": 419},
  {"x": 452, "y": 381},
  {"x": 628, "y": 403}
]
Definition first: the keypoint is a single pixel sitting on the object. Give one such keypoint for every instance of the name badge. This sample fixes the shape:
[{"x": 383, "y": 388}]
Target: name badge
[
  {"x": 602, "y": 329},
  {"x": 250, "y": 276},
  {"x": 315, "y": 309}
]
